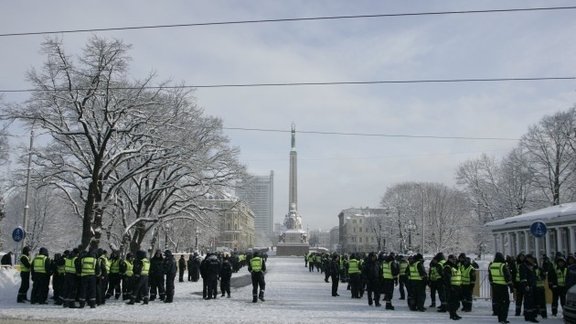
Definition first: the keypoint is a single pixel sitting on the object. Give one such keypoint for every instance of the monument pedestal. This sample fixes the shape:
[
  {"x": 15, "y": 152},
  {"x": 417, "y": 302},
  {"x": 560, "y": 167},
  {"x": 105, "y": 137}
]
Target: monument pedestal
[{"x": 293, "y": 242}]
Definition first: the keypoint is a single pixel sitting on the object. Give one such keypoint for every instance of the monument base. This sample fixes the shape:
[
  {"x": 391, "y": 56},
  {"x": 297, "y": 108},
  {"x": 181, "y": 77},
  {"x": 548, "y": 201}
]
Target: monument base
[
  {"x": 293, "y": 242},
  {"x": 286, "y": 249}
]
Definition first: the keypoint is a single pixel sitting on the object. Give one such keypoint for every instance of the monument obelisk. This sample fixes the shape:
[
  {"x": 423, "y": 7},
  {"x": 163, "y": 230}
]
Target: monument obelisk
[{"x": 294, "y": 240}]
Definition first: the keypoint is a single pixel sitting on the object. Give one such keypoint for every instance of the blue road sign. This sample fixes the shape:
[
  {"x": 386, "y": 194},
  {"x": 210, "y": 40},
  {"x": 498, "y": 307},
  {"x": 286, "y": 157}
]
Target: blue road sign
[
  {"x": 538, "y": 229},
  {"x": 18, "y": 234}
]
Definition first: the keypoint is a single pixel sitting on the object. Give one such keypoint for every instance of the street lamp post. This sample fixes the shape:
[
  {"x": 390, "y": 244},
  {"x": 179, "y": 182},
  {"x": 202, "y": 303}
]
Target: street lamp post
[{"x": 411, "y": 226}]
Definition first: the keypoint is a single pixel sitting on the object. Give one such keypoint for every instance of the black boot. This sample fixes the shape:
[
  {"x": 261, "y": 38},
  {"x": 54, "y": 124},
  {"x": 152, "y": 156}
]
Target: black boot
[
  {"x": 261, "y": 296},
  {"x": 254, "y": 299},
  {"x": 389, "y": 306}
]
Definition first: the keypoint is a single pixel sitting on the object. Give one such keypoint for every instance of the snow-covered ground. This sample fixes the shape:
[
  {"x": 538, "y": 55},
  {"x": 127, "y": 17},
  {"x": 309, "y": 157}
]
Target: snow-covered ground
[{"x": 293, "y": 295}]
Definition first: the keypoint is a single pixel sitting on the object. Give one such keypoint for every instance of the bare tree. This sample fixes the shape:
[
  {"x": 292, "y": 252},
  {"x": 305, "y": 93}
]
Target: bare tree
[{"x": 551, "y": 158}]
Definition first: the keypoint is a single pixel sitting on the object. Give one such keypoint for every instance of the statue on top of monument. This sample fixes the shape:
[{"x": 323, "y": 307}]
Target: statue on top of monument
[{"x": 293, "y": 221}]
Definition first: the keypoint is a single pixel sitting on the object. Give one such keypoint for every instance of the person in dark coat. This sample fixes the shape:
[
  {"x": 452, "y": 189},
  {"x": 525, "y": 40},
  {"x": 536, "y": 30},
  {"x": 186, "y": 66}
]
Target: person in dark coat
[
  {"x": 212, "y": 273},
  {"x": 7, "y": 259},
  {"x": 25, "y": 267},
  {"x": 41, "y": 267},
  {"x": 189, "y": 265},
  {"x": 372, "y": 274},
  {"x": 225, "y": 276},
  {"x": 169, "y": 267},
  {"x": 181, "y": 268},
  {"x": 195, "y": 269},
  {"x": 528, "y": 284},
  {"x": 204, "y": 275},
  {"x": 335, "y": 273},
  {"x": 156, "y": 276},
  {"x": 58, "y": 277}
]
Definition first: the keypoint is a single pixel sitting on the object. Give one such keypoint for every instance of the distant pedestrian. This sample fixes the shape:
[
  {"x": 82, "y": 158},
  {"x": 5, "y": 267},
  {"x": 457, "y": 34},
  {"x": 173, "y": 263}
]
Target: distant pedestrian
[
  {"x": 7, "y": 259},
  {"x": 335, "y": 273},
  {"x": 181, "y": 268},
  {"x": 225, "y": 276}
]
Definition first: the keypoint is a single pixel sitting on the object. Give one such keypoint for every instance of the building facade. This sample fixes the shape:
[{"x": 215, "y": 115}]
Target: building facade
[
  {"x": 258, "y": 193},
  {"x": 235, "y": 223},
  {"x": 356, "y": 230},
  {"x": 513, "y": 235}
]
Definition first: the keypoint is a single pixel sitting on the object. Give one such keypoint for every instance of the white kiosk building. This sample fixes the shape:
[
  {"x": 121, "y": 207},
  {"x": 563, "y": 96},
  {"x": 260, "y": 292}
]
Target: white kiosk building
[{"x": 512, "y": 235}]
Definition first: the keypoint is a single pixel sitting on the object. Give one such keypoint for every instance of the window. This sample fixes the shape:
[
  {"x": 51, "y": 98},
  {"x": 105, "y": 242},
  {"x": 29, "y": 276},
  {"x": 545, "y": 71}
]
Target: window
[
  {"x": 360, "y": 239},
  {"x": 360, "y": 229}
]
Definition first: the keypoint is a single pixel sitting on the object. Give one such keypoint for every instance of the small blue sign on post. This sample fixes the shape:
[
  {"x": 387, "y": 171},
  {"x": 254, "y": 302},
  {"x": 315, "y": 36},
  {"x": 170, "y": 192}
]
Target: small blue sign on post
[
  {"x": 18, "y": 234},
  {"x": 538, "y": 229}
]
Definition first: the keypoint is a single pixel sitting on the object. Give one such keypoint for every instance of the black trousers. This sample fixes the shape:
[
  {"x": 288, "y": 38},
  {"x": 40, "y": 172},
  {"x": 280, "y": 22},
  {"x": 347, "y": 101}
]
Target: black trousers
[
  {"x": 157, "y": 286},
  {"x": 24, "y": 286},
  {"x": 169, "y": 288},
  {"x": 518, "y": 297},
  {"x": 141, "y": 288},
  {"x": 114, "y": 280},
  {"x": 70, "y": 288},
  {"x": 401, "y": 286},
  {"x": 453, "y": 294},
  {"x": 388, "y": 290},
  {"x": 58, "y": 287},
  {"x": 40, "y": 283},
  {"x": 500, "y": 301},
  {"x": 101, "y": 286},
  {"x": 419, "y": 290},
  {"x": 212, "y": 287},
  {"x": 355, "y": 284},
  {"x": 335, "y": 279},
  {"x": 258, "y": 283},
  {"x": 373, "y": 290},
  {"x": 88, "y": 290},
  {"x": 467, "y": 297},
  {"x": 181, "y": 275},
  {"x": 558, "y": 293},
  {"x": 225, "y": 285}
]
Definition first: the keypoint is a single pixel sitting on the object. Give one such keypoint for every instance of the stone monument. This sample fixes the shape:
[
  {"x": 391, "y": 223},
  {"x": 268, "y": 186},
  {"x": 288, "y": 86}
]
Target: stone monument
[{"x": 294, "y": 240}]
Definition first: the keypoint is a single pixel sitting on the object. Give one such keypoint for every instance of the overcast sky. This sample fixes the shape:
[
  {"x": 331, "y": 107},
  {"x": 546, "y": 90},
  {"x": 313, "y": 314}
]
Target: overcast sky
[{"x": 335, "y": 172}]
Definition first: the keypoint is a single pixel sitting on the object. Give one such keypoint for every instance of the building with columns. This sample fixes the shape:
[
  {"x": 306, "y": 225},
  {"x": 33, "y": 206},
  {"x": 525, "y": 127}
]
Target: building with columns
[{"x": 512, "y": 235}]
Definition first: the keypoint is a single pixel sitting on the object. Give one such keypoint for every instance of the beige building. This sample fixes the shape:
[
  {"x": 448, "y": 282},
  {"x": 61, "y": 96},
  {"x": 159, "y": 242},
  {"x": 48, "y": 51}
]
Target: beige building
[
  {"x": 356, "y": 233},
  {"x": 235, "y": 223}
]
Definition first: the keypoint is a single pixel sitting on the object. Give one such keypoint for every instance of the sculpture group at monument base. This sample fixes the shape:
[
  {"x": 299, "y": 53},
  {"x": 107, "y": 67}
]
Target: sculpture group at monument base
[
  {"x": 293, "y": 242},
  {"x": 285, "y": 249}
]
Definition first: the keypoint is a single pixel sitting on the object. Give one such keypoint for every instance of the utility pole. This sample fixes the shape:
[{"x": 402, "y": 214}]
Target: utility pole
[{"x": 27, "y": 191}]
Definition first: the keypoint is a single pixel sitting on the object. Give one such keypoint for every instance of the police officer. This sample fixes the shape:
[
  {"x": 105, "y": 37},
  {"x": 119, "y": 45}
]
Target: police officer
[
  {"x": 468, "y": 272},
  {"x": 437, "y": 282},
  {"x": 127, "y": 272},
  {"x": 557, "y": 283},
  {"x": 114, "y": 277},
  {"x": 257, "y": 268},
  {"x": 390, "y": 270},
  {"x": 169, "y": 270},
  {"x": 70, "y": 279},
  {"x": 41, "y": 266},
  {"x": 418, "y": 280},
  {"x": 102, "y": 277},
  {"x": 335, "y": 273},
  {"x": 452, "y": 281},
  {"x": 25, "y": 268},
  {"x": 212, "y": 274},
  {"x": 58, "y": 277},
  {"x": 141, "y": 271},
  {"x": 90, "y": 268},
  {"x": 402, "y": 277},
  {"x": 528, "y": 284},
  {"x": 354, "y": 274},
  {"x": 500, "y": 279}
]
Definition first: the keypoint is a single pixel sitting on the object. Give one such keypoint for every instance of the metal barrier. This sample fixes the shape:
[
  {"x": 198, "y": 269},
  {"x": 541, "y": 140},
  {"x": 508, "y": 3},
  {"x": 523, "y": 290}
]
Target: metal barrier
[{"x": 482, "y": 290}]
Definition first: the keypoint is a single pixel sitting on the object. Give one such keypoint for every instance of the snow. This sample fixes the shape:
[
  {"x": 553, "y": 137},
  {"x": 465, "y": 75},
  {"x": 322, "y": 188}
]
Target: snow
[
  {"x": 553, "y": 213},
  {"x": 293, "y": 295}
]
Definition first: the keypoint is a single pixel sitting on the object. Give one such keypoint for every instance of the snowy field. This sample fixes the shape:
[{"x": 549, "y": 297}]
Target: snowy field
[{"x": 293, "y": 295}]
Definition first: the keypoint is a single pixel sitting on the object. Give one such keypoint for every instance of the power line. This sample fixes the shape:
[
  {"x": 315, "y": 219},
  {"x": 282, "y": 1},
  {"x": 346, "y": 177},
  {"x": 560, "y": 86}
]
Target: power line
[
  {"x": 374, "y": 134},
  {"x": 328, "y": 83},
  {"x": 280, "y": 20}
]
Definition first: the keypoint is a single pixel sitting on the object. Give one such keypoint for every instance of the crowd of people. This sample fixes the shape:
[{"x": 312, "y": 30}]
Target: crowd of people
[
  {"x": 450, "y": 281},
  {"x": 83, "y": 278}
]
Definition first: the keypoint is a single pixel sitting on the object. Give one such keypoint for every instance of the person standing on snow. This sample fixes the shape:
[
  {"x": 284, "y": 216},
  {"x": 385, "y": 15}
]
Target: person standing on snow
[
  {"x": 225, "y": 276},
  {"x": 257, "y": 268},
  {"x": 25, "y": 267},
  {"x": 156, "y": 276},
  {"x": 500, "y": 279},
  {"x": 169, "y": 267},
  {"x": 41, "y": 266},
  {"x": 181, "y": 268}
]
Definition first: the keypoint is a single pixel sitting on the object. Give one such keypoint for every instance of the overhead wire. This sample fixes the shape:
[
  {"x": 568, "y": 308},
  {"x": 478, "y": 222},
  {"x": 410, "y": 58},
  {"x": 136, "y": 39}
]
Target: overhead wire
[{"x": 296, "y": 19}]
